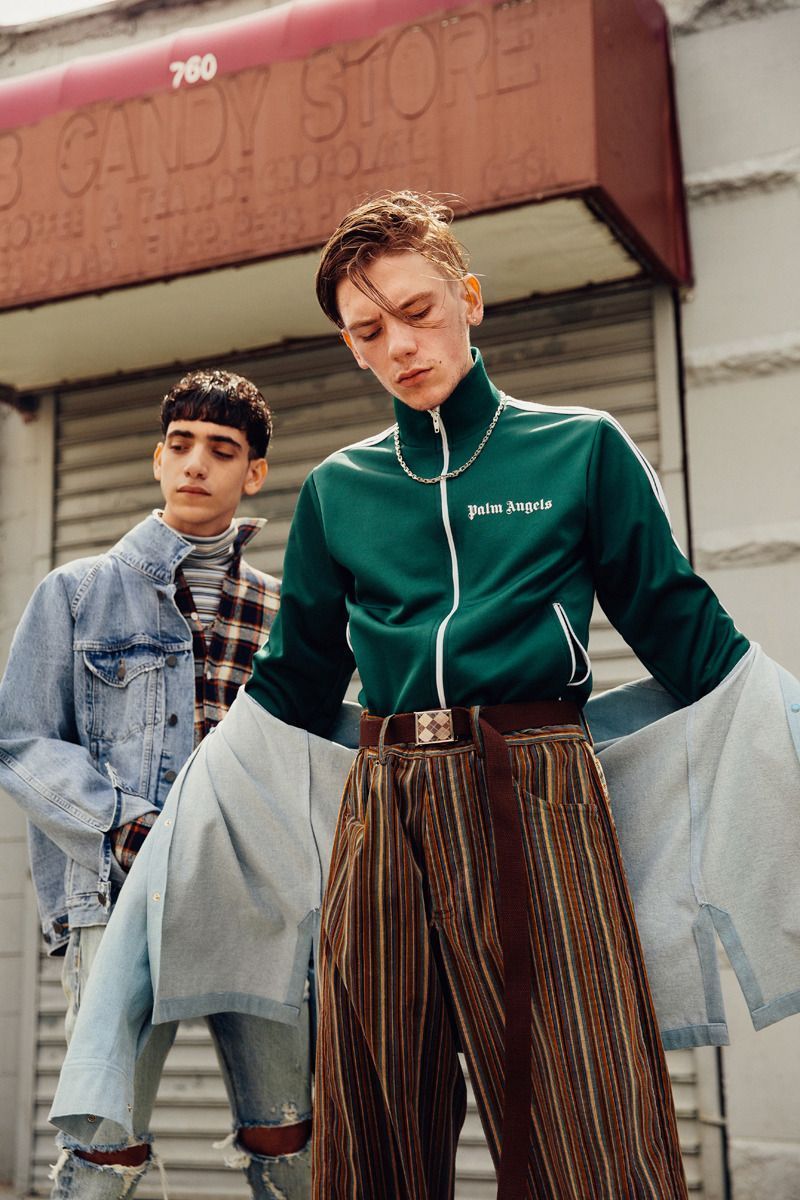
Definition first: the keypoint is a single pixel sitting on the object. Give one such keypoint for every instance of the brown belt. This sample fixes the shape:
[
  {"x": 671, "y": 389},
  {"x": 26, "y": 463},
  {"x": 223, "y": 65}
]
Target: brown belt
[{"x": 486, "y": 726}]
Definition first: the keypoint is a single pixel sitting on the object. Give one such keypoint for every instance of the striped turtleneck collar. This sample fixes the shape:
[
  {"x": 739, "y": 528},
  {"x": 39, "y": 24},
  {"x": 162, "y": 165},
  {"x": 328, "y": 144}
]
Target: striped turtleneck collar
[
  {"x": 218, "y": 549},
  {"x": 204, "y": 568}
]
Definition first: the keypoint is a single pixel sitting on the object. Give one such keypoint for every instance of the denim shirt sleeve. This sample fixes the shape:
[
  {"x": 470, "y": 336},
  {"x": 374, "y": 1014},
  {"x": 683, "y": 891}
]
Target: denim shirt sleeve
[{"x": 42, "y": 762}]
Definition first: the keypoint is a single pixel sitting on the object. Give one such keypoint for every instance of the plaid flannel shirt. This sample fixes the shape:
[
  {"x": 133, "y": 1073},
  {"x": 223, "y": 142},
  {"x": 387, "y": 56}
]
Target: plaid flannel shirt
[{"x": 223, "y": 654}]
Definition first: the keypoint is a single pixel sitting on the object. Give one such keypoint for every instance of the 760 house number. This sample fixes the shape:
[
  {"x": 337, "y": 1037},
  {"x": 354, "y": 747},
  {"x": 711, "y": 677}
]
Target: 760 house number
[{"x": 195, "y": 69}]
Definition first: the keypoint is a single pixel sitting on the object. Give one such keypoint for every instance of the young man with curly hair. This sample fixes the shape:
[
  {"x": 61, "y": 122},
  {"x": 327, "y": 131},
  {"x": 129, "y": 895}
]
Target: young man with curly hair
[{"x": 121, "y": 664}]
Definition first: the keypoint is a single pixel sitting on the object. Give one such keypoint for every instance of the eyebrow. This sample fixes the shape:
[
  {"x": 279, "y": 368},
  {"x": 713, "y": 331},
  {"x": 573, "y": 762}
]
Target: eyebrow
[
  {"x": 213, "y": 437},
  {"x": 412, "y": 300}
]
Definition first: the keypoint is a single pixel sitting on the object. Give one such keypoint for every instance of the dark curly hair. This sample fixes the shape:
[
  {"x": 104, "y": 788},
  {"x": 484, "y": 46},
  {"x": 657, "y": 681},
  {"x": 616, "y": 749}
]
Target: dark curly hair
[
  {"x": 387, "y": 223},
  {"x": 224, "y": 399}
]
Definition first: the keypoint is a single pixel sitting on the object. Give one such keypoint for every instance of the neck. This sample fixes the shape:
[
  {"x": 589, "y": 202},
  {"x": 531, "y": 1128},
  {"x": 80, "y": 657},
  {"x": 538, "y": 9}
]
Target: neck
[{"x": 467, "y": 410}]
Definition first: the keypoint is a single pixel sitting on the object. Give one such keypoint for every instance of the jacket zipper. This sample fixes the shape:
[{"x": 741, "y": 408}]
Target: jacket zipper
[{"x": 438, "y": 426}]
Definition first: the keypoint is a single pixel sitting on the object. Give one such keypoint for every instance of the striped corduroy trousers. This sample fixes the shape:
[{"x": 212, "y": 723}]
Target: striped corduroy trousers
[{"x": 411, "y": 971}]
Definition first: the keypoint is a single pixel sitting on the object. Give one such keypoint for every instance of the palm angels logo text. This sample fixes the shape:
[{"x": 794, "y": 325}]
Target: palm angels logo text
[{"x": 510, "y": 506}]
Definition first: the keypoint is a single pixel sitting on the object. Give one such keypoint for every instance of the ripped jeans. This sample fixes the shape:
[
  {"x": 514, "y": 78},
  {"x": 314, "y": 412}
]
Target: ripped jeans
[{"x": 266, "y": 1069}]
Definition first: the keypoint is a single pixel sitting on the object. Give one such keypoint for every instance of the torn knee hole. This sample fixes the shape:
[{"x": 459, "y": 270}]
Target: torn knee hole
[
  {"x": 130, "y": 1156},
  {"x": 273, "y": 1141}
]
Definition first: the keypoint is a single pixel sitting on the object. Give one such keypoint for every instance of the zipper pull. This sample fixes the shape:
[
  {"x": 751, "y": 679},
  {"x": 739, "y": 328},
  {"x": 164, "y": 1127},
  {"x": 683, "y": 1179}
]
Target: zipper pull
[{"x": 437, "y": 425}]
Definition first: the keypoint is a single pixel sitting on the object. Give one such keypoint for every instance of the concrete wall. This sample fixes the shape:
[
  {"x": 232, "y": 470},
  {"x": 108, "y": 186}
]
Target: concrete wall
[
  {"x": 739, "y": 95},
  {"x": 26, "y": 496},
  {"x": 739, "y": 98}
]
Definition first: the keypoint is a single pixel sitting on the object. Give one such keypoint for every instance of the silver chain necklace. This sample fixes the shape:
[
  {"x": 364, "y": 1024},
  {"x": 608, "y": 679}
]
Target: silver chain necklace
[{"x": 460, "y": 470}]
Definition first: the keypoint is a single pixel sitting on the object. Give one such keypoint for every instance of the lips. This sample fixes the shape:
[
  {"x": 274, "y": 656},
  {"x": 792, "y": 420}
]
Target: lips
[
  {"x": 408, "y": 378},
  {"x": 193, "y": 491}
]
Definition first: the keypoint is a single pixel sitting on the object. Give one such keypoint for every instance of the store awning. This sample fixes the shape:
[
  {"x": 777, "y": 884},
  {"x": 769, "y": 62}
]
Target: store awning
[
  {"x": 245, "y": 141},
  {"x": 293, "y": 30}
]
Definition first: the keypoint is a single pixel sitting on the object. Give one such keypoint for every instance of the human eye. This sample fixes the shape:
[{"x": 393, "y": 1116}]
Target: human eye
[
  {"x": 420, "y": 314},
  {"x": 223, "y": 453},
  {"x": 371, "y": 335}
]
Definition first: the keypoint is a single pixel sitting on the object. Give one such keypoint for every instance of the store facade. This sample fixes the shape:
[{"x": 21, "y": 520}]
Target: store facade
[{"x": 161, "y": 206}]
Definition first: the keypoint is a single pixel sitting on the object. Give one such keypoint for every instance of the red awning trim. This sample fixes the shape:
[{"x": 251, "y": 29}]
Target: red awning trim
[{"x": 293, "y": 30}]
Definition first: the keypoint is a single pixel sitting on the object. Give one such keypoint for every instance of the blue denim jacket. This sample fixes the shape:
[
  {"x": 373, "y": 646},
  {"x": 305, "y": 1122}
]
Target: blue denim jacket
[{"x": 96, "y": 716}]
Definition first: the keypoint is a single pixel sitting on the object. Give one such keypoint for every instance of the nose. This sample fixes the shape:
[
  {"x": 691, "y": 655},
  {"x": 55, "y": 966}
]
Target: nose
[
  {"x": 402, "y": 339},
  {"x": 195, "y": 464}
]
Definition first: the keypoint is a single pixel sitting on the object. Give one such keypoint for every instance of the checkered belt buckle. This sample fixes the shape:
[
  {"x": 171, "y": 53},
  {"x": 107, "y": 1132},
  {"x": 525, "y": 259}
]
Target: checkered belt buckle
[{"x": 434, "y": 725}]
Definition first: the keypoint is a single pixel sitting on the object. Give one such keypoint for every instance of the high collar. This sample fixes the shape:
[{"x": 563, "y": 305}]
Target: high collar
[
  {"x": 157, "y": 550},
  {"x": 468, "y": 409}
]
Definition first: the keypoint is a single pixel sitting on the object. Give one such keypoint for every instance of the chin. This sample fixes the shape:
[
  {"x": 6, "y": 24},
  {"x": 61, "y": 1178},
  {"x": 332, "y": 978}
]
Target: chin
[
  {"x": 190, "y": 503},
  {"x": 191, "y": 516}
]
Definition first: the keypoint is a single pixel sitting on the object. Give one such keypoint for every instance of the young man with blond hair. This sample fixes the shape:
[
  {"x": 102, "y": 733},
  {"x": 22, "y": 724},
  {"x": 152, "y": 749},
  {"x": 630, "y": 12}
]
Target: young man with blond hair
[{"x": 476, "y": 898}]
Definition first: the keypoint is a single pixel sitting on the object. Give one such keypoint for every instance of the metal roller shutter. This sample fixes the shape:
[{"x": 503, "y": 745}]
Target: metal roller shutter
[{"x": 596, "y": 349}]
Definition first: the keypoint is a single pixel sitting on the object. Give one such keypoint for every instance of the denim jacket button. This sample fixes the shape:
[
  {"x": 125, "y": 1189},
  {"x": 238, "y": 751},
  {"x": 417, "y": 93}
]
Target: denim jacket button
[
  {"x": 796, "y": 708},
  {"x": 156, "y": 896},
  {"x": 172, "y": 719},
  {"x": 121, "y": 670},
  {"x": 172, "y": 660},
  {"x": 170, "y": 775}
]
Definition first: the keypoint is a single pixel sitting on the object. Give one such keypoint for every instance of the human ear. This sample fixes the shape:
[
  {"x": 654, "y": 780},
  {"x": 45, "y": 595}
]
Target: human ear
[
  {"x": 473, "y": 299},
  {"x": 349, "y": 342},
  {"x": 157, "y": 461},
  {"x": 256, "y": 474}
]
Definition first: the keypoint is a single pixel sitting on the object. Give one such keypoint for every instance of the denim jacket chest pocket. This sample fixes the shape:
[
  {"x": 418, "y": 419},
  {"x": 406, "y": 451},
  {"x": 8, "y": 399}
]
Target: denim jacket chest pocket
[{"x": 123, "y": 706}]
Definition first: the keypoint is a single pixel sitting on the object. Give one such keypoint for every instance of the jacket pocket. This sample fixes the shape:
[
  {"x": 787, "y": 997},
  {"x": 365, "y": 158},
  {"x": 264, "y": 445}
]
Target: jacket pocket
[
  {"x": 122, "y": 685},
  {"x": 124, "y": 708},
  {"x": 579, "y": 659}
]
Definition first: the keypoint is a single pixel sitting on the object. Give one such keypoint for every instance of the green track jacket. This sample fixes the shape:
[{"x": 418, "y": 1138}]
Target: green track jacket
[{"x": 479, "y": 589}]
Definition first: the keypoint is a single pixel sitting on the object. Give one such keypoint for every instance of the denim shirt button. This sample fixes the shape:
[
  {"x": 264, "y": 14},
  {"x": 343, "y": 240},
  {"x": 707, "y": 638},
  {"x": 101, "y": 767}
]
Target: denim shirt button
[
  {"x": 796, "y": 708},
  {"x": 172, "y": 719},
  {"x": 170, "y": 775},
  {"x": 156, "y": 896},
  {"x": 172, "y": 660}
]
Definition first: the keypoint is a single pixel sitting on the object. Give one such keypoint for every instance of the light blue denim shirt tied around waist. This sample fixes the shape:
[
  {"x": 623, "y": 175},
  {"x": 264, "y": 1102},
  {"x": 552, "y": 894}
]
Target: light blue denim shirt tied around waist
[{"x": 707, "y": 805}]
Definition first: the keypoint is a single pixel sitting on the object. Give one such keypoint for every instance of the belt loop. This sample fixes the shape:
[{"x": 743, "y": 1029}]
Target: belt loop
[
  {"x": 477, "y": 732},
  {"x": 382, "y": 738}
]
